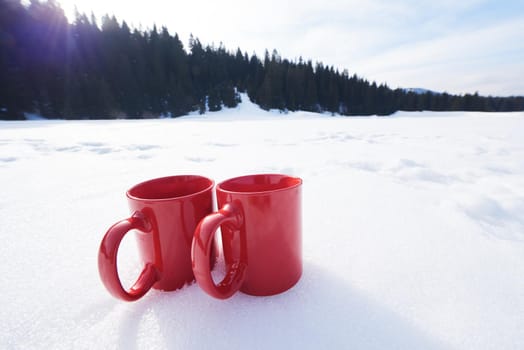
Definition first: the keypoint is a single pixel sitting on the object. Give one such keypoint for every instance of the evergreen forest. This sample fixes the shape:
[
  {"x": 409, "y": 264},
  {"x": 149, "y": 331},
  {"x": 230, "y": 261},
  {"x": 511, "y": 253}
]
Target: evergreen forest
[{"x": 90, "y": 70}]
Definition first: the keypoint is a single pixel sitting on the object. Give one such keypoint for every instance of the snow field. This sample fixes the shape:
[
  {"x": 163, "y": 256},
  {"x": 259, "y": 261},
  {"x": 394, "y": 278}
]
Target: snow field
[{"x": 413, "y": 232}]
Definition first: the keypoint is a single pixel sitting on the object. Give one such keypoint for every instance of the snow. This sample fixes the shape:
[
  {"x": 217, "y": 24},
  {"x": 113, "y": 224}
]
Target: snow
[
  {"x": 419, "y": 91},
  {"x": 413, "y": 233},
  {"x": 31, "y": 116}
]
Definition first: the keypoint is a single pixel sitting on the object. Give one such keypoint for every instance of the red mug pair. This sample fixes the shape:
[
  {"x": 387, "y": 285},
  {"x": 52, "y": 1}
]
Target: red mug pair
[{"x": 260, "y": 222}]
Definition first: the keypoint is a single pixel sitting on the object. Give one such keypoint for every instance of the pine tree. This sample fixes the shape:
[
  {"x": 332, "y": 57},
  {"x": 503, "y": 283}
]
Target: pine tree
[
  {"x": 311, "y": 98},
  {"x": 214, "y": 102}
]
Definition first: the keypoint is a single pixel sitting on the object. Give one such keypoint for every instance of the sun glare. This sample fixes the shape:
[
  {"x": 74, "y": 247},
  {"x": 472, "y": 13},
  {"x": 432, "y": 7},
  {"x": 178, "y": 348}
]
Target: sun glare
[
  {"x": 97, "y": 7},
  {"x": 83, "y": 6},
  {"x": 134, "y": 13}
]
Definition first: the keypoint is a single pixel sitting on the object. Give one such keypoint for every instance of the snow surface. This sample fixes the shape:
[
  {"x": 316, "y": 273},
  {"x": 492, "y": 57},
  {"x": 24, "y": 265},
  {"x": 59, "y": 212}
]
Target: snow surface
[{"x": 413, "y": 231}]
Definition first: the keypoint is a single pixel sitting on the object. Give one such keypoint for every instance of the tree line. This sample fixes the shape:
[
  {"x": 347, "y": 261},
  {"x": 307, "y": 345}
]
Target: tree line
[{"x": 84, "y": 70}]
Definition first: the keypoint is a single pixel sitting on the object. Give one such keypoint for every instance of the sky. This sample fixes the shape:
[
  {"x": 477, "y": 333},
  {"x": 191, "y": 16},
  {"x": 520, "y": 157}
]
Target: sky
[{"x": 447, "y": 45}]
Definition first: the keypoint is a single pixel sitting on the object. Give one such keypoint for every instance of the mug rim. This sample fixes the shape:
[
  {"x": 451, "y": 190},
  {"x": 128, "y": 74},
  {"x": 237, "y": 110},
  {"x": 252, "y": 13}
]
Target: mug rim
[
  {"x": 164, "y": 178},
  {"x": 219, "y": 187}
]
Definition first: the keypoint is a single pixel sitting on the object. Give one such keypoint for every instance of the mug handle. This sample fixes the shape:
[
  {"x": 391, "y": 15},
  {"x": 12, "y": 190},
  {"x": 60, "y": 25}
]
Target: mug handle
[
  {"x": 107, "y": 256},
  {"x": 201, "y": 249}
]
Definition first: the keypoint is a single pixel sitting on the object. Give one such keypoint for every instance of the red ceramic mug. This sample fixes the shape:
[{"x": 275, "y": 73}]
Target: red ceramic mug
[
  {"x": 261, "y": 225},
  {"x": 165, "y": 212}
]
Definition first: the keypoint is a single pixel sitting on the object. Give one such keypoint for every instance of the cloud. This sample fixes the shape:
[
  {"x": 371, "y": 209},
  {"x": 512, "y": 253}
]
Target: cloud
[{"x": 458, "y": 62}]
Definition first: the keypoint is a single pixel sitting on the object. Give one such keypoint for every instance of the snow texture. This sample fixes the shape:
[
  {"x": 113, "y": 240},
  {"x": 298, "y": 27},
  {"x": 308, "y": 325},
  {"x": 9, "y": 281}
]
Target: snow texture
[{"x": 413, "y": 234}]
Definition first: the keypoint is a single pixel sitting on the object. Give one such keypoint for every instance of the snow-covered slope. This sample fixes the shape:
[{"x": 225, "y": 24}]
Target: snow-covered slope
[
  {"x": 413, "y": 233},
  {"x": 247, "y": 110},
  {"x": 419, "y": 91}
]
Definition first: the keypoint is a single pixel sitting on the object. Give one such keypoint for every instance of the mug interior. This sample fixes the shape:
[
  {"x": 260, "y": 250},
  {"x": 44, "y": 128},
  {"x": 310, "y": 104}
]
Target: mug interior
[
  {"x": 170, "y": 187},
  {"x": 259, "y": 183}
]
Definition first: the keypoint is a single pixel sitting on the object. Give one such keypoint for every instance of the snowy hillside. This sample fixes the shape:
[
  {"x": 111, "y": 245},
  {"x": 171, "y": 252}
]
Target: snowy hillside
[
  {"x": 413, "y": 231},
  {"x": 419, "y": 90}
]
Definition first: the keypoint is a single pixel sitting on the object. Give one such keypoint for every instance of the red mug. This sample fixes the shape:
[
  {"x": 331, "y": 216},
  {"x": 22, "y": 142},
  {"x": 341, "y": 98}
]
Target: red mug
[
  {"x": 165, "y": 213},
  {"x": 261, "y": 224}
]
